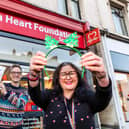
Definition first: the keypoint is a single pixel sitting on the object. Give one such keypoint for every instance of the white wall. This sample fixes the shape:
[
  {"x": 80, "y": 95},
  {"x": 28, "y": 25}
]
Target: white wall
[{"x": 98, "y": 13}]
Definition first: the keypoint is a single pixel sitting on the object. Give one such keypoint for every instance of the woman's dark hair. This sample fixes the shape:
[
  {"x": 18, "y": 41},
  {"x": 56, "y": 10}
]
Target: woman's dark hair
[{"x": 56, "y": 83}]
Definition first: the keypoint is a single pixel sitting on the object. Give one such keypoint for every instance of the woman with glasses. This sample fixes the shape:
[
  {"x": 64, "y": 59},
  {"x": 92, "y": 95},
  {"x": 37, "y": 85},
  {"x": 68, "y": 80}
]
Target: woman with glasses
[{"x": 72, "y": 103}]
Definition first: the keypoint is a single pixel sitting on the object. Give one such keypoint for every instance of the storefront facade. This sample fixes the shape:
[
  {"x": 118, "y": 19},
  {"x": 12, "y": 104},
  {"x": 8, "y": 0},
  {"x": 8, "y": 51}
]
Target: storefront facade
[
  {"x": 23, "y": 33},
  {"x": 23, "y": 28}
]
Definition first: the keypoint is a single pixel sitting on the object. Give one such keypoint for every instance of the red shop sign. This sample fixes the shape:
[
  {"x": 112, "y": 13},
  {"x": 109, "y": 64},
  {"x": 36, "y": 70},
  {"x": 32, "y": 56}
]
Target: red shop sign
[
  {"x": 93, "y": 37},
  {"x": 26, "y": 27}
]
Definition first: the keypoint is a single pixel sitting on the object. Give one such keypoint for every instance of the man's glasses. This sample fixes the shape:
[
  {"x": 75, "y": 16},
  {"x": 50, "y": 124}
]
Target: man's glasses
[
  {"x": 70, "y": 74},
  {"x": 18, "y": 73}
]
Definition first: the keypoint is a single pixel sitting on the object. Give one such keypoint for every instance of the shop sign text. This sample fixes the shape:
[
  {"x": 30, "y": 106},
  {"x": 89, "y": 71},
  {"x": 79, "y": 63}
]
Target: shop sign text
[{"x": 34, "y": 29}]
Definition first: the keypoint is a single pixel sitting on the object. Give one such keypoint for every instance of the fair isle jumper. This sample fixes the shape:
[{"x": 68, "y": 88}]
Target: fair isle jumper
[{"x": 12, "y": 106}]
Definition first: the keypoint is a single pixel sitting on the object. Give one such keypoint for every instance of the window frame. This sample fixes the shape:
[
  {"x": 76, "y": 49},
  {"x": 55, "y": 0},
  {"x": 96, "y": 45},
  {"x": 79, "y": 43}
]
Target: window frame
[
  {"x": 119, "y": 11},
  {"x": 78, "y": 7},
  {"x": 66, "y": 8}
]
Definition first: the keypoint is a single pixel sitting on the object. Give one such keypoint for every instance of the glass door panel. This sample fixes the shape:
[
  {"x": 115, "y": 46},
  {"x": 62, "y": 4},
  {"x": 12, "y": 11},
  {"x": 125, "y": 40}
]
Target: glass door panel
[{"x": 123, "y": 88}]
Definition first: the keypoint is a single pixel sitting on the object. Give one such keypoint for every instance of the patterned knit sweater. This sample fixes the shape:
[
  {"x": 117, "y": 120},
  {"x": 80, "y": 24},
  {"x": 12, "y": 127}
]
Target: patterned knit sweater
[{"x": 12, "y": 106}]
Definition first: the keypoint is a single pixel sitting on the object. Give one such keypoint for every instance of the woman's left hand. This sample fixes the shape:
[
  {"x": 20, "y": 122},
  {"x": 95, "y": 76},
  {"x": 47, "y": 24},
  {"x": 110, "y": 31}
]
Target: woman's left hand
[{"x": 95, "y": 64}]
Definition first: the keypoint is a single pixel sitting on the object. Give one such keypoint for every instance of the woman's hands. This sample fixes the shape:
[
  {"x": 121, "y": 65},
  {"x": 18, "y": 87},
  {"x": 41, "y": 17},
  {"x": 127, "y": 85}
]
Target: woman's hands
[
  {"x": 90, "y": 61},
  {"x": 37, "y": 63},
  {"x": 95, "y": 64}
]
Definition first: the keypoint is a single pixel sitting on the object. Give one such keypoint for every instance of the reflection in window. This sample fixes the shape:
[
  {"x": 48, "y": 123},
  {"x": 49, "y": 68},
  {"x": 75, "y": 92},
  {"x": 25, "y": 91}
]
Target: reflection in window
[
  {"x": 123, "y": 88},
  {"x": 61, "y": 55},
  {"x": 19, "y": 48},
  {"x": 119, "y": 22}
]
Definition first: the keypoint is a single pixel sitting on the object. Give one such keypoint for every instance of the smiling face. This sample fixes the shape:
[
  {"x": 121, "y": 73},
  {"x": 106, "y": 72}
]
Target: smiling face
[
  {"x": 68, "y": 78},
  {"x": 15, "y": 74}
]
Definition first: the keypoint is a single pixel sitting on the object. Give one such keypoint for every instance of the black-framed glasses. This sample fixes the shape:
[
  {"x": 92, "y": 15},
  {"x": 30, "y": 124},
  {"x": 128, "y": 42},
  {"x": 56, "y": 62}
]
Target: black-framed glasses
[
  {"x": 18, "y": 73},
  {"x": 70, "y": 74}
]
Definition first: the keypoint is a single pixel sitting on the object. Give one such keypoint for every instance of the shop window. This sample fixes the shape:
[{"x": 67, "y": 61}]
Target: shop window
[
  {"x": 15, "y": 50},
  {"x": 62, "y": 6},
  {"x": 65, "y": 7},
  {"x": 122, "y": 80},
  {"x": 18, "y": 49},
  {"x": 119, "y": 21},
  {"x": 69, "y": 8}
]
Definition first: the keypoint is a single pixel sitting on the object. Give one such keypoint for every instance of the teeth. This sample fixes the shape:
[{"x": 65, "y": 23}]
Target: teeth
[{"x": 68, "y": 82}]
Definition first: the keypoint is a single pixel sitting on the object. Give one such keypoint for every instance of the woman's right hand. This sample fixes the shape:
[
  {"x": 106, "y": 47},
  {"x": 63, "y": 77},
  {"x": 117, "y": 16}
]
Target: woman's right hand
[{"x": 37, "y": 62}]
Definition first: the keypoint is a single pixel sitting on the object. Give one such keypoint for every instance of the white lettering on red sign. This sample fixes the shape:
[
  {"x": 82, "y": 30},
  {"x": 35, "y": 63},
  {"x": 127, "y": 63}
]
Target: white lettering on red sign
[
  {"x": 26, "y": 27},
  {"x": 1, "y": 18},
  {"x": 34, "y": 26},
  {"x": 17, "y": 22},
  {"x": 50, "y": 31}
]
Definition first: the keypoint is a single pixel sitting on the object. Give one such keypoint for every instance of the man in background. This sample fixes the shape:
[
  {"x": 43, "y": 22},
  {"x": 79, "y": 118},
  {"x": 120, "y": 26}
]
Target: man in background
[{"x": 13, "y": 98}]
